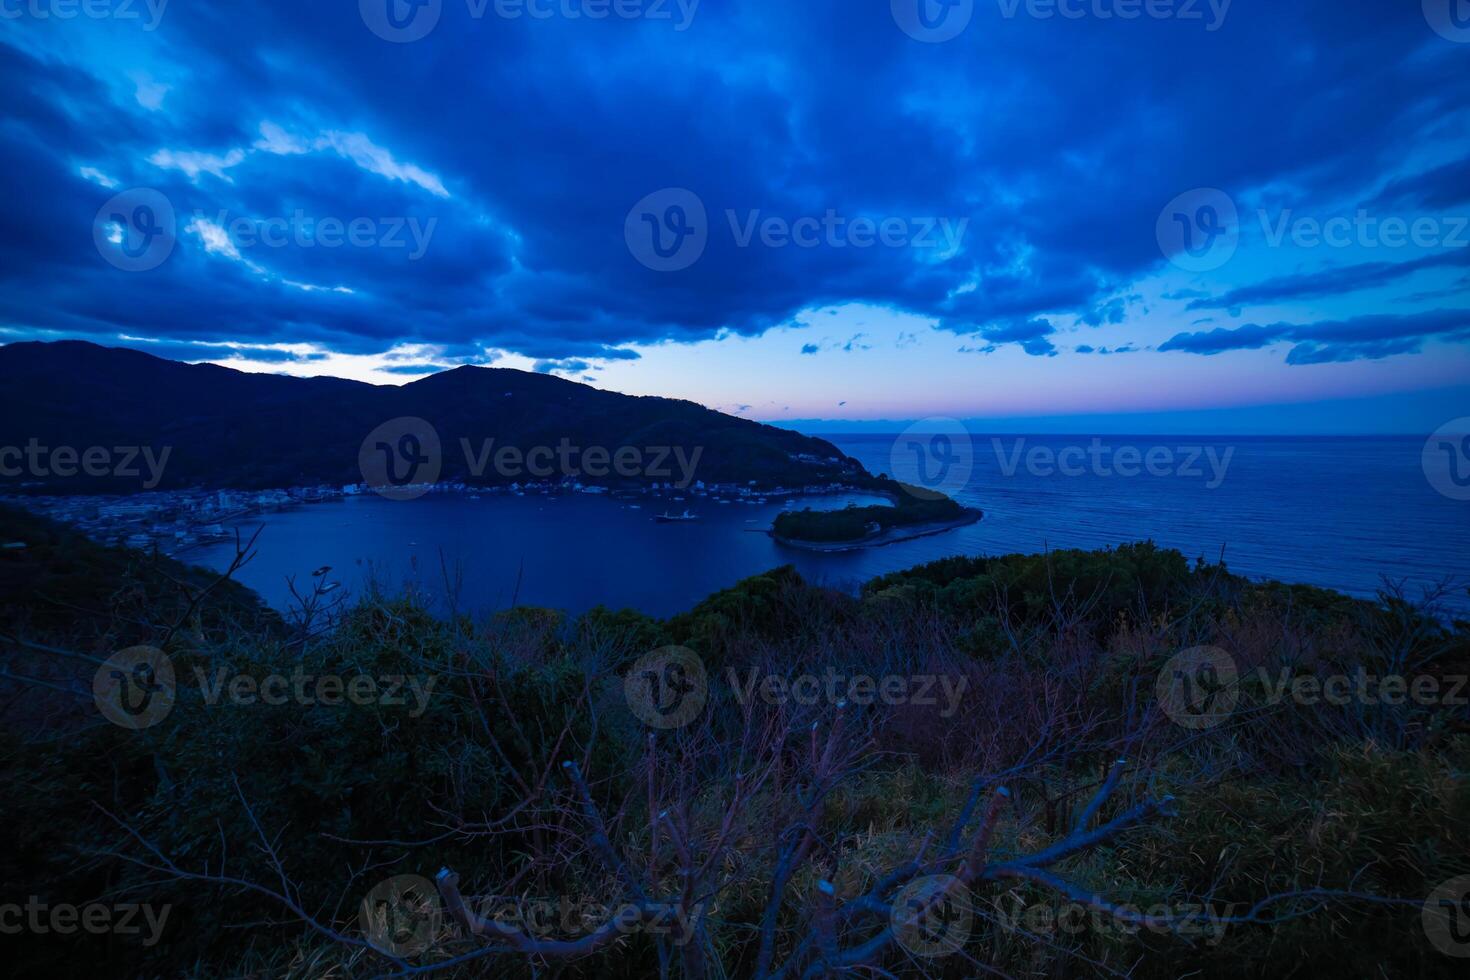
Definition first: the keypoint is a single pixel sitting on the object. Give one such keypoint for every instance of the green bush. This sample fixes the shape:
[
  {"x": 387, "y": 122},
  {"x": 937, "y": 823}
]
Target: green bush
[
  {"x": 1061, "y": 652},
  {"x": 911, "y": 505}
]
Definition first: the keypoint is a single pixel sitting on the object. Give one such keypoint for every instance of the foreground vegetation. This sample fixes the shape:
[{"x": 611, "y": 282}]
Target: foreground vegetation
[{"x": 1087, "y": 830}]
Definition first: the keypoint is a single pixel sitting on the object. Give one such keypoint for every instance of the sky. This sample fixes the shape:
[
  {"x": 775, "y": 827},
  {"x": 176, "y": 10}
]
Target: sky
[{"x": 1246, "y": 214}]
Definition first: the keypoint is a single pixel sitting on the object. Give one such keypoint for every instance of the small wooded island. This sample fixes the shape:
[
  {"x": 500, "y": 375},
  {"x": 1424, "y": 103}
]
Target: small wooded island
[{"x": 914, "y": 513}]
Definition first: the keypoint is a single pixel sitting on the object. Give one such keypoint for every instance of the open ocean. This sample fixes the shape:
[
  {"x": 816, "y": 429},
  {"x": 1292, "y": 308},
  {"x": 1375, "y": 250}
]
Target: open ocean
[{"x": 1345, "y": 513}]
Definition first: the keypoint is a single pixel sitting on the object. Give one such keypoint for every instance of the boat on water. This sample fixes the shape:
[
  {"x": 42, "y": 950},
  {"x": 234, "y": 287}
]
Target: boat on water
[{"x": 667, "y": 518}]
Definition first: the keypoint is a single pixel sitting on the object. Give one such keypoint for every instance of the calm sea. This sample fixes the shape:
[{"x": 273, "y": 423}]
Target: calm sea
[{"x": 1341, "y": 513}]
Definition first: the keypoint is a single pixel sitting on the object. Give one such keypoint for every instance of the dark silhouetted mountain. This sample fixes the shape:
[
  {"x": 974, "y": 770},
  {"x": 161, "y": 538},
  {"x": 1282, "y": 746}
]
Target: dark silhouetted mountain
[{"x": 227, "y": 428}]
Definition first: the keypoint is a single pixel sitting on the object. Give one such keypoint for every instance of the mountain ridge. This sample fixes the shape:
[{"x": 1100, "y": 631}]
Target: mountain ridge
[{"x": 233, "y": 429}]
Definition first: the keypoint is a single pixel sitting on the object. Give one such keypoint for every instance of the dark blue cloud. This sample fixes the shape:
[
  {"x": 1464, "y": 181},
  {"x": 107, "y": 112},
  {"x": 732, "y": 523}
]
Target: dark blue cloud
[
  {"x": 517, "y": 148},
  {"x": 1442, "y": 187},
  {"x": 264, "y": 355},
  {"x": 1031, "y": 335},
  {"x": 571, "y": 365},
  {"x": 1360, "y": 338},
  {"x": 1113, "y": 311},
  {"x": 1250, "y": 337},
  {"x": 857, "y": 342},
  {"x": 1332, "y": 282},
  {"x": 1368, "y": 350},
  {"x": 1457, "y": 289},
  {"x": 1104, "y": 351}
]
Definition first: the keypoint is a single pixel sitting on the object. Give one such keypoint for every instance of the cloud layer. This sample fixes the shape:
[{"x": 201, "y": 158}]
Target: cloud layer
[{"x": 516, "y": 148}]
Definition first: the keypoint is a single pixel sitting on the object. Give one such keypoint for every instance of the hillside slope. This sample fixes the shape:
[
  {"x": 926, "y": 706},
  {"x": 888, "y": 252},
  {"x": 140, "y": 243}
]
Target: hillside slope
[{"x": 226, "y": 428}]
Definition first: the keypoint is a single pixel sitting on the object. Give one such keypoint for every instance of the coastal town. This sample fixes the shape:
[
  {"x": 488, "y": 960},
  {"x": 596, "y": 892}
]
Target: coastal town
[{"x": 173, "y": 522}]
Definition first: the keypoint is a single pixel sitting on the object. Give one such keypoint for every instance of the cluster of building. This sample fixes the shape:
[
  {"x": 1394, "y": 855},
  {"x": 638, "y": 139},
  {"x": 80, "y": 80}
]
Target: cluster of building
[
  {"x": 173, "y": 521},
  {"x": 170, "y": 520}
]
